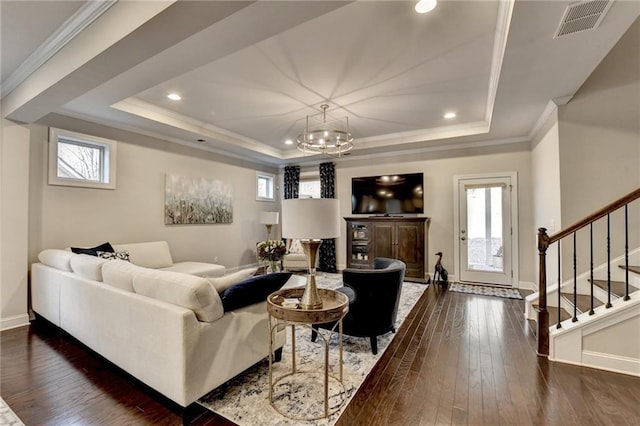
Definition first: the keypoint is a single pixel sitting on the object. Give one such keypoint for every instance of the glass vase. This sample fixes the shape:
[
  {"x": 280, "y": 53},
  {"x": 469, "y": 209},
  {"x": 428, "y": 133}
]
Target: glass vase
[{"x": 273, "y": 266}]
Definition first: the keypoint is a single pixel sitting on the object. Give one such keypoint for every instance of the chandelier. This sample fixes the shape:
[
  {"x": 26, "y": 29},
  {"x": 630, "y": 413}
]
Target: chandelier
[{"x": 328, "y": 137}]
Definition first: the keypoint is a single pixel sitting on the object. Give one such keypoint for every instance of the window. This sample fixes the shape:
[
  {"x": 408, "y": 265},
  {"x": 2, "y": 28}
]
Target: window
[
  {"x": 81, "y": 160},
  {"x": 309, "y": 188},
  {"x": 265, "y": 184}
]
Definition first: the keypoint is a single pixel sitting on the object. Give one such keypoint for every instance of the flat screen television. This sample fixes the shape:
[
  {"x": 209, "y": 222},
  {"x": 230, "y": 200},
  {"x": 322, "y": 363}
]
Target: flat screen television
[{"x": 387, "y": 194}]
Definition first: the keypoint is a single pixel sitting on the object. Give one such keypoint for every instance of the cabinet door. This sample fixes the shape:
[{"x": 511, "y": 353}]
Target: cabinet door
[
  {"x": 384, "y": 240},
  {"x": 410, "y": 247}
]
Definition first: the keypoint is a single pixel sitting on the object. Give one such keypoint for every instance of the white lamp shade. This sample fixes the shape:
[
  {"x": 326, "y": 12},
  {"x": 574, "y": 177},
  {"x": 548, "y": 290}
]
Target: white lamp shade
[
  {"x": 269, "y": 218},
  {"x": 310, "y": 218}
]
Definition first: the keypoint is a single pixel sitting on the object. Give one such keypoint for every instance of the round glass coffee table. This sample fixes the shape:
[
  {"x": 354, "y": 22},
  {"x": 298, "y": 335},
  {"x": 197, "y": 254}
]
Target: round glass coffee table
[{"x": 283, "y": 313}]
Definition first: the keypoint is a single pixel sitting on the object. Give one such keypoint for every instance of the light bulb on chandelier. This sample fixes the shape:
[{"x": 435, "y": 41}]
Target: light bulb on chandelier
[{"x": 326, "y": 137}]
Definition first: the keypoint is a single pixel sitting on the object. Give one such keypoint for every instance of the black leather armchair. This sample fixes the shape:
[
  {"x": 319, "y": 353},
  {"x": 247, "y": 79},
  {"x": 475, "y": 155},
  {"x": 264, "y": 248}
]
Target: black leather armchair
[{"x": 374, "y": 295}]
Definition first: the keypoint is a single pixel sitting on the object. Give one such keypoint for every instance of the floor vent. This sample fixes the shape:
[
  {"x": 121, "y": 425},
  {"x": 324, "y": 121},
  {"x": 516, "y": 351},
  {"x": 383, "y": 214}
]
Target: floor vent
[{"x": 581, "y": 16}]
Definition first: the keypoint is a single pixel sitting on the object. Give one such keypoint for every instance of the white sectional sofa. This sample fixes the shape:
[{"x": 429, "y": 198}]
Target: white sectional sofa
[{"x": 166, "y": 328}]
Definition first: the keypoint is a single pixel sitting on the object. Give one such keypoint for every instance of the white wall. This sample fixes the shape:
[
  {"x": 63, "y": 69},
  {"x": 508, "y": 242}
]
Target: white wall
[
  {"x": 599, "y": 134},
  {"x": 439, "y": 169},
  {"x": 134, "y": 211},
  {"x": 14, "y": 187},
  {"x": 545, "y": 161}
]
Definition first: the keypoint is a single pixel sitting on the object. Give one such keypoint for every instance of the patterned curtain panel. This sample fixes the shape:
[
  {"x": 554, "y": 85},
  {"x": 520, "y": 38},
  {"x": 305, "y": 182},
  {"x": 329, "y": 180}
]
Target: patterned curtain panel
[
  {"x": 291, "y": 182},
  {"x": 327, "y": 261}
]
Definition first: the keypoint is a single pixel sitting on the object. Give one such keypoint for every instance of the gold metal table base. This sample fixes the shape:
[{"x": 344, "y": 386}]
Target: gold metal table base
[{"x": 334, "y": 309}]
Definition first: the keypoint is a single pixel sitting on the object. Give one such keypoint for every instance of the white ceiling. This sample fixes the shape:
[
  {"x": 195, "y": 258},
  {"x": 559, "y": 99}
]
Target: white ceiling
[{"x": 249, "y": 72}]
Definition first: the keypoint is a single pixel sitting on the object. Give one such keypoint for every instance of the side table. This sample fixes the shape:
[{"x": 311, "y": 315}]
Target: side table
[{"x": 335, "y": 306}]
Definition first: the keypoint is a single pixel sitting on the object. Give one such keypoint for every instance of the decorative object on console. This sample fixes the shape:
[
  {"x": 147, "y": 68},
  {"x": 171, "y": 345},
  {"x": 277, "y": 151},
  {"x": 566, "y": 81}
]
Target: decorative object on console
[
  {"x": 196, "y": 200},
  {"x": 327, "y": 137},
  {"x": 271, "y": 251},
  {"x": 269, "y": 219},
  {"x": 310, "y": 220}
]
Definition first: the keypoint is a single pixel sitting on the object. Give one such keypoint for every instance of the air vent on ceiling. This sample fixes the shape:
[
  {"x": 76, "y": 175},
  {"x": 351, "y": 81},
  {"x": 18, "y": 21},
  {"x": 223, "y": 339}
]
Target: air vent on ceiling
[{"x": 581, "y": 16}]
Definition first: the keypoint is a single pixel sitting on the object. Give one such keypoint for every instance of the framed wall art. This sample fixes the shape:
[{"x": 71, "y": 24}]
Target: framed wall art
[{"x": 196, "y": 200}]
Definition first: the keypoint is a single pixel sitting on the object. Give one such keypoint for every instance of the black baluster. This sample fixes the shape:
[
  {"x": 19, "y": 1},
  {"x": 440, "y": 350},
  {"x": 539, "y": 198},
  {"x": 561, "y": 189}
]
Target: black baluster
[
  {"x": 626, "y": 252},
  {"x": 608, "y": 261},
  {"x": 575, "y": 281},
  {"x": 591, "y": 312},
  {"x": 559, "y": 287}
]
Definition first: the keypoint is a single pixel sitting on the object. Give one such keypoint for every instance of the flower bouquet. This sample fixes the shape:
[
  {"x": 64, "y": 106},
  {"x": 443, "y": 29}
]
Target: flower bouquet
[{"x": 271, "y": 251}]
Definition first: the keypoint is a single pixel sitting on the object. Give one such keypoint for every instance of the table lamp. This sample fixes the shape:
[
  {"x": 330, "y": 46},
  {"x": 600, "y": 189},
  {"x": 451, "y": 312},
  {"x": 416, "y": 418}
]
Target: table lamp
[
  {"x": 310, "y": 220},
  {"x": 269, "y": 219}
]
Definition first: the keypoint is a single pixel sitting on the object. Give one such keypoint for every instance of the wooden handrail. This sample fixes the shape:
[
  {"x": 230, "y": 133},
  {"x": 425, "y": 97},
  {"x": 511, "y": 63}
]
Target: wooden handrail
[
  {"x": 609, "y": 208},
  {"x": 544, "y": 241}
]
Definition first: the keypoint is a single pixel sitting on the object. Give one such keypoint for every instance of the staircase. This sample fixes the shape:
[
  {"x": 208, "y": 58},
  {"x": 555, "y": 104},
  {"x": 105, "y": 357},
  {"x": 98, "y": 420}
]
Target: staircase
[{"x": 593, "y": 319}]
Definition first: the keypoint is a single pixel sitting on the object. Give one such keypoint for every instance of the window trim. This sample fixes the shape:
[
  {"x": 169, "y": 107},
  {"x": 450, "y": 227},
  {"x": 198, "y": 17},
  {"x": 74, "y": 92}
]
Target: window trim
[
  {"x": 272, "y": 183},
  {"x": 107, "y": 161}
]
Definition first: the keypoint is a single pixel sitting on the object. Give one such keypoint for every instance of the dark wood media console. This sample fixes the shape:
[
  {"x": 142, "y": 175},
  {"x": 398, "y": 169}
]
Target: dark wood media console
[{"x": 396, "y": 237}]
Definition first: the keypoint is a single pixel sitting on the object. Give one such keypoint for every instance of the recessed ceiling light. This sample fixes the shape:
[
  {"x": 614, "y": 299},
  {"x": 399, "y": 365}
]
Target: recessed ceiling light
[
  {"x": 174, "y": 96},
  {"x": 424, "y": 6},
  {"x": 450, "y": 115},
  {"x": 288, "y": 142}
]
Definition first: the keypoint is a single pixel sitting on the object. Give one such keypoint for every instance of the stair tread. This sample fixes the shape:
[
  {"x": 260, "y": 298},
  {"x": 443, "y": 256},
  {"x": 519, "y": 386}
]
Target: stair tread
[
  {"x": 584, "y": 301},
  {"x": 617, "y": 287},
  {"x": 553, "y": 314},
  {"x": 632, "y": 268}
]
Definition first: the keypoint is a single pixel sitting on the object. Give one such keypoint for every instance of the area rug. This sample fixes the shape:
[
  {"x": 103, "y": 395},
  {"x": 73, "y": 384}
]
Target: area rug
[
  {"x": 7, "y": 416},
  {"x": 245, "y": 399},
  {"x": 483, "y": 290}
]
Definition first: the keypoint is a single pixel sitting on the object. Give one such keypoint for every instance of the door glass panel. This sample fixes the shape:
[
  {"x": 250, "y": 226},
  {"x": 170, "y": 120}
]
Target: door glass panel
[{"x": 484, "y": 229}]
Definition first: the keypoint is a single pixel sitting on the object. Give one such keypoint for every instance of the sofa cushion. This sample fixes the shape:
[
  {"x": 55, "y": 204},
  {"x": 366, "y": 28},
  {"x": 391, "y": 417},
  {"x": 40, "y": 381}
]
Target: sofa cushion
[
  {"x": 197, "y": 268},
  {"x": 119, "y": 273},
  {"x": 223, "y": 283},
  {"x": 153, "y": 254},
  {"x": 93, "y": 251},
  {"x": 253, "y": 290},
  {"x": 122, "y": 255},
  {"x": 184, "y": 290},
  {"x": 88, "y": 266},
  {"x": 59, "y": 259}
]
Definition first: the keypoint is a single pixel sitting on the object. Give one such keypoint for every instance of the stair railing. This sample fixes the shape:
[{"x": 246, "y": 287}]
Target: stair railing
[{"x": 544, "y": 241}]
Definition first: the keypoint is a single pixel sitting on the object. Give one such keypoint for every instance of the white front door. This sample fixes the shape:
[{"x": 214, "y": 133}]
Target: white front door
[{"x": 484, "y": 248}]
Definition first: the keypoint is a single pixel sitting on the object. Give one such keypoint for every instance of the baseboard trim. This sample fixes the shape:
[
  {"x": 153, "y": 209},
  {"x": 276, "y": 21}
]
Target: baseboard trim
[
  {"x": 527, "y": 285},
  {"x": 614, "y": 363},
  {"x": 14, "y": 322}
]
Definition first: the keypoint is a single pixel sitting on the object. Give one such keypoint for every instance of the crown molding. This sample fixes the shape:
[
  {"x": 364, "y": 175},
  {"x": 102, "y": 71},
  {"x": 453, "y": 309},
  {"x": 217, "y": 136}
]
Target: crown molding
[
  {"x": 549, "y": 109},
  {"x": 85, "y": 15},
  {"x": 505, "y": 12}
]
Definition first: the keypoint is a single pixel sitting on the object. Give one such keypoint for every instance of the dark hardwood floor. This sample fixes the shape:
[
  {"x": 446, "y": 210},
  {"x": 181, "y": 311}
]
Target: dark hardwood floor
[{"x": 458, "y": 359}]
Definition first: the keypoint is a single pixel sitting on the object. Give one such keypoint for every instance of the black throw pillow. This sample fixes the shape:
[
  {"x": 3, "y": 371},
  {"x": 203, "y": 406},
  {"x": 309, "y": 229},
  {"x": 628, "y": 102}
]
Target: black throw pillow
[
  {"x": 253, "y": 290},
  {"x": 93, "y": 251}
]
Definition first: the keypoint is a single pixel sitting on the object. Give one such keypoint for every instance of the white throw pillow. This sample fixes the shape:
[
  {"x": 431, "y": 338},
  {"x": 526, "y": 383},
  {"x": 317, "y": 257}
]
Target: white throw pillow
[
  {"x": 223, "y": 283},
  {"x": 184, "y": 290},
  {"x": 120, "y": 273},
  {"x": 296, "y": 247},
  {"x": 87, "y": 266},
  {"x": 59, "y": 259}
]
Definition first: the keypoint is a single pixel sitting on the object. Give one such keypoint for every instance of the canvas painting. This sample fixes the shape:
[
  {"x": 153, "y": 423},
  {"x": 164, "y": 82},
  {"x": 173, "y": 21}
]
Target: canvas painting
[{"x": 197, "y": 200}]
